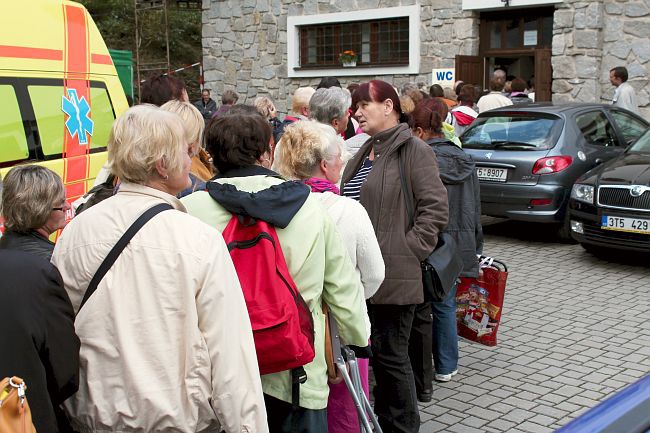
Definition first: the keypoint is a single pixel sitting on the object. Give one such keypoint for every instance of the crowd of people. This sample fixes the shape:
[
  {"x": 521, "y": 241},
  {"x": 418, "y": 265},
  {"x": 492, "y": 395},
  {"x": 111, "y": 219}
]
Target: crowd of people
[{"x": 137, "y": 318}]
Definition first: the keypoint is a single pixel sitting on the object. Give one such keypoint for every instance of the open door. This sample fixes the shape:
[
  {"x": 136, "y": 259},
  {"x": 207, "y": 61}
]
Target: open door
[
  {"x": 543, "y": 75},
  {"x": 470, "y": 70}
]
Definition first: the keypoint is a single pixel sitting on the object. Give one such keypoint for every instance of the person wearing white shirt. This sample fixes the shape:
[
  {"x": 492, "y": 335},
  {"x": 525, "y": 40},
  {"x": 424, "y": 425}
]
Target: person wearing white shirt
[
  {"x": 495, "y": 98},
  {"x": 624, "y": 96}
]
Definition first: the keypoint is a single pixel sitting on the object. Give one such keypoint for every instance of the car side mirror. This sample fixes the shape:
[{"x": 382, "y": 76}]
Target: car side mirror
[{"x": 598, "y": 161}]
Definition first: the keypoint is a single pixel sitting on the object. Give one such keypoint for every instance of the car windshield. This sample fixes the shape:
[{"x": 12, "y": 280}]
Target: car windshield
[
  {"x": 642, "y": 144},
  {"x": 512, "y": 132}
]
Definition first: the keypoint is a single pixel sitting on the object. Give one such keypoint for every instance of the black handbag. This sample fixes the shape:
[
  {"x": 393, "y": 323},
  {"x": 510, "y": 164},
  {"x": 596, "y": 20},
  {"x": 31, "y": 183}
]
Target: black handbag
[{"x": 443, "y": 266}]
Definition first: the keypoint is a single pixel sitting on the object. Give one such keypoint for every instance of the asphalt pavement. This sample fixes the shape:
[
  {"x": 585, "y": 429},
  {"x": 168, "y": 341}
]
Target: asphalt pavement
[{"x": 575, "y": 329}]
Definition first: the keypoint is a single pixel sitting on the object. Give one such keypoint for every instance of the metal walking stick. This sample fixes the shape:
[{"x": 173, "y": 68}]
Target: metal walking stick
[{"x": 345, "y": 360}]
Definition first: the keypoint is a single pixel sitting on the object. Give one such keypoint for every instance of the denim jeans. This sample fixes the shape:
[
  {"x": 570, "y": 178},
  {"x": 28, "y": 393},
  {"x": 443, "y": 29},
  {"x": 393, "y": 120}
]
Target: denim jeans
[
  {"x": 445, "y": 334},
  {"x": 395, "y": 400}
]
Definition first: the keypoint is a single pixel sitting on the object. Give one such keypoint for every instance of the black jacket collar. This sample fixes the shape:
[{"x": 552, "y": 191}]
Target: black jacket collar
[{"x": 276, "y": 205}]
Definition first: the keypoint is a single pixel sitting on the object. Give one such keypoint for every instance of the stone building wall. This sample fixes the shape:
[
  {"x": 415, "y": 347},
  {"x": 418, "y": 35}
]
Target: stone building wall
[
  {"x": 245, "y": 43},
  {"x": 590, "y": 38}
]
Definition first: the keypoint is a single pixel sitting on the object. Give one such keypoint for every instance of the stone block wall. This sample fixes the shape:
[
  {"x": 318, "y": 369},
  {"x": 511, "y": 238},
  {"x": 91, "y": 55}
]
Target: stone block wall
[
  {"x": 245, "y": 43},
  {"x": 592, "y": 37}
]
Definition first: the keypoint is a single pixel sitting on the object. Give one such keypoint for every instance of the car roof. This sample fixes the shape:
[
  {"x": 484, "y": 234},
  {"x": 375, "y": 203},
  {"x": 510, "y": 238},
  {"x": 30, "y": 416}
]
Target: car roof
[{"x": 545, "y": 107}]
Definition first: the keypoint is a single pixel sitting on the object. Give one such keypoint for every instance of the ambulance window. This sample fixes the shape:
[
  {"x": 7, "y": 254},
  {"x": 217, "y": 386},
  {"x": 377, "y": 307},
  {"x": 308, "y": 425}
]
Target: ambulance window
[
  {"x": 46, "y": 101},
  {"x": 12, "y": 133},
  {"x": 102, "y": 115}
]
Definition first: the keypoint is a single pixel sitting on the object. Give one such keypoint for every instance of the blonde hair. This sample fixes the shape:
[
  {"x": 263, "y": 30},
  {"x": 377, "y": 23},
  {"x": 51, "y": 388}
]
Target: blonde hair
[
  {"x": 263, "y": 105},
  {"x": 407, "y": 103},
  {"x": 193, "y": 121},
  {"x": 301, "y": 98},
  {"x": 29, "y": 193},
  {"x": 143, "y": 135},
  {"x": 303, "y": 146}
]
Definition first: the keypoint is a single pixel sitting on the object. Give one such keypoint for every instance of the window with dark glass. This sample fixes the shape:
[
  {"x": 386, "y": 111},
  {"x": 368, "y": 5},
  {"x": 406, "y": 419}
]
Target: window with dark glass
[
  {"x": 12, "y": 133},
  {"x": 376, "y": 43},
  {"x": 532, "y": 29},
  {"x": 596, "y": 128},
  {"x": 630, "y": 127}
]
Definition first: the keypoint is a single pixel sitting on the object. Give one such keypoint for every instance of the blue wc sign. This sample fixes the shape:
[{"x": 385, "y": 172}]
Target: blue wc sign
[{"x": 443, "y": 76}]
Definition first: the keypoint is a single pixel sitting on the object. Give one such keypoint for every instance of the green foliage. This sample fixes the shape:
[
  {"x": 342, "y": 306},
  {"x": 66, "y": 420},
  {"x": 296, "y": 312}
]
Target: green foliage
[{"x": 116, "y": 22}]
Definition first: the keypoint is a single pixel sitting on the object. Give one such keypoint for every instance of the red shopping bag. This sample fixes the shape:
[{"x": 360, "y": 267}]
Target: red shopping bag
[{"x": 479, "y": 302}]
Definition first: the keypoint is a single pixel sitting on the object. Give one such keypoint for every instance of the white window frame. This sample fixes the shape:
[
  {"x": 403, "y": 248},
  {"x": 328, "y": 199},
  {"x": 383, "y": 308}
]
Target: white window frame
[
  {"x": 471, "y": 5},
  {"x": 293, "y": 41}
]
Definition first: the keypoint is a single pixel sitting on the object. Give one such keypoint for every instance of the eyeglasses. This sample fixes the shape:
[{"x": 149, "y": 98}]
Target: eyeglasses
[{"x": 61, "y": 208}]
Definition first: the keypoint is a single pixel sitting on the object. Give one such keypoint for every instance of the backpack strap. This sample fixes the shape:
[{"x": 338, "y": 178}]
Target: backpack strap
[
  {"x": 298, "y": 376},
  {"x": 119, "y": 247}
]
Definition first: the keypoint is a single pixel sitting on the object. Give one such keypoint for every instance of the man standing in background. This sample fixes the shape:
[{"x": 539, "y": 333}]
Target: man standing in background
[
  {"x": 624, "y": 95},
  {"x": 206, "y": 105}
]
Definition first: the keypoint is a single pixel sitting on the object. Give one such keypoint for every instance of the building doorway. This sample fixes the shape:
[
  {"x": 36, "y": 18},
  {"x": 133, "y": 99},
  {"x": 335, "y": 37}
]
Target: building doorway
[{"x": 517, "y": 41}]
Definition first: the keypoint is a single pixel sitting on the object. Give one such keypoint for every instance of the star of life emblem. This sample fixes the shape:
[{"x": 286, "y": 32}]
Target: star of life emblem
[{"x": 78, "y": 110}]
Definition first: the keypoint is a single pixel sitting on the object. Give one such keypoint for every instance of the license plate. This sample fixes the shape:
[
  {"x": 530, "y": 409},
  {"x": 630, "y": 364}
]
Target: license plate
[
  {"x": 622, "y": 224},
  {"x": 494, "y": 174}
]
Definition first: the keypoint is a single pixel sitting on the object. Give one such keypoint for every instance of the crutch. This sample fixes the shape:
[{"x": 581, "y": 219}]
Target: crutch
[
  {"x": 343, "y": 358},
  {"x": 352, "y": 363}
]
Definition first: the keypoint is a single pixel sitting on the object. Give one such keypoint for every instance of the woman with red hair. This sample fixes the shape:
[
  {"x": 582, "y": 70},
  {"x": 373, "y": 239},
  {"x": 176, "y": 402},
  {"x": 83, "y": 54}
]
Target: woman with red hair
[{"x": 373, "y": 178}]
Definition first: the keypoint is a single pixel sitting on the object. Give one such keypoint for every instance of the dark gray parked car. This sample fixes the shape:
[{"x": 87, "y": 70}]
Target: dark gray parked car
[{"x": 528, "y": 157}]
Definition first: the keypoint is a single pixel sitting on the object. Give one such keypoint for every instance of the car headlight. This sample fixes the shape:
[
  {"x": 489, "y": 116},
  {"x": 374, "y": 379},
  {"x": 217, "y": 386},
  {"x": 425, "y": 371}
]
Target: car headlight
[{"x": 583, "y": 193}]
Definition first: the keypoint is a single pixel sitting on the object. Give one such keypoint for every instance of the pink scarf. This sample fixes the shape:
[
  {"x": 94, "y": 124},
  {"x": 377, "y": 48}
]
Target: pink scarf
[{"x": 322, "y": 185}]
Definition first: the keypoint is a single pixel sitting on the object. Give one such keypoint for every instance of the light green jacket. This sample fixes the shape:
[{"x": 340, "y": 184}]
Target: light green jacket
[{"x": 320, "y": 267}]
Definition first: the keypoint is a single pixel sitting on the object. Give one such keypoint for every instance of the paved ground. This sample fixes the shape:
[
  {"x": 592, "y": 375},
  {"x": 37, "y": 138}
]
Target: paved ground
[{"x": 575, "y": 328}]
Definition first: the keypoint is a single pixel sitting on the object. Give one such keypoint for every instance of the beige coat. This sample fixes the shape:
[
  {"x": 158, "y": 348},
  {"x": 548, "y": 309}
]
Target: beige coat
[{"x": 166, "y": 343}]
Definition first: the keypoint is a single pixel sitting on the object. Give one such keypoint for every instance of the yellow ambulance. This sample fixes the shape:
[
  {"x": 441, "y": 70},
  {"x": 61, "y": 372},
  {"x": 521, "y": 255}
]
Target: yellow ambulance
[{"x": 59, "y": 91}]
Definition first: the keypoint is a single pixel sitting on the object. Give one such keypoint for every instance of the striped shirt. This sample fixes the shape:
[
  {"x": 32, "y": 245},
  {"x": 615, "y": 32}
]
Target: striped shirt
[{"x": 352, "y": 189}]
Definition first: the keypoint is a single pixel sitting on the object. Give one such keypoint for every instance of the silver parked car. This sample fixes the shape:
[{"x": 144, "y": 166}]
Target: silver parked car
[{"x": 528, "y": 157}]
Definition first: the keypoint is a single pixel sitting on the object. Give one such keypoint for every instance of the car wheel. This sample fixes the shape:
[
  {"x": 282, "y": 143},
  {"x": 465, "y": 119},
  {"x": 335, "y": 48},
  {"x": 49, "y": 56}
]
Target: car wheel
[{"x": 564, "y": 231}]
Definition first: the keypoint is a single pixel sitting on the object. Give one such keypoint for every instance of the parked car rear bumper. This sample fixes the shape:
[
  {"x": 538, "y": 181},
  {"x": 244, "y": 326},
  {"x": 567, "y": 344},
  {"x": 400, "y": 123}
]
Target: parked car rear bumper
[
  {"x": 593, "y": 234},
  {"x": 514, "y": 202}
]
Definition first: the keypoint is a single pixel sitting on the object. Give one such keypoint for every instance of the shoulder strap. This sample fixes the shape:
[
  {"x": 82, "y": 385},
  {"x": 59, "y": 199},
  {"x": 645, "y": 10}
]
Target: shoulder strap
[
  {"x": 119, "y": 247},
  {"x": 408, "y": 197}
]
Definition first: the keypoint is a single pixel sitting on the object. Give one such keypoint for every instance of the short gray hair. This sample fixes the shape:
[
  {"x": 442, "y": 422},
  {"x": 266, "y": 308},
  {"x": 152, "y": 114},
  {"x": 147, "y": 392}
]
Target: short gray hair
[
  {"x": 301, "y": 98},
  {"x": 28, "y": 195},
  {"x": 408, "y": 87},
  {"x": 329, "y": 104}
]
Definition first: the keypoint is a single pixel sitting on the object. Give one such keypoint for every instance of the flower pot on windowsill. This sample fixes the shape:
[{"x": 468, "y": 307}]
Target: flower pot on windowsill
[{"x": 350, "y": 64}]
